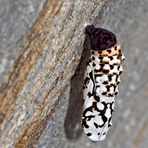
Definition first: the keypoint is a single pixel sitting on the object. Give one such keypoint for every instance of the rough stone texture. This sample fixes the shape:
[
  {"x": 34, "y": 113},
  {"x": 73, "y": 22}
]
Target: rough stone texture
[
  {"x": 41, "y": 94},
  {"x": 16, "y": 17}
]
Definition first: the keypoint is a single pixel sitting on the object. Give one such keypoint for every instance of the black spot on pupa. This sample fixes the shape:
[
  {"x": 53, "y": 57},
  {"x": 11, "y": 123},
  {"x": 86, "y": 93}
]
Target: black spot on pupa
[
  {"x": 110, "y": 95},
  {"x": 89, "y": 117},
  {"x": 86, "y": 81},
  {"x": 97, "y": 70},
  {"x": 91, "y": 75},
  {"x": 89, "y": 94},
  {"x": 104, "y": 133},
  {"x": 115, "y": 48},
  {"x": 98, "y": 133},
  {"x": 116, "y": 93},
  {"x": 92, "y": 52},
  {"x": 105, "y": 82},
  {"x": 102, "y": 64},
  {"x": 111, "y": 66},
  {"x": 109, "y": 125},
  {"x": 96, "y": 125},
  {"x": 98, "y": 75},
  {"x": 94, "y": 64},
  {"x": 110, "y": 57},
  {"x": 110, "y": 77},
  {"x": 97, "y": 98},
  {"x": 93, "y": 58},
  {"x": 116, "y": 78},
  {"x": 120, "y": 72},
  {"x": 114, "y": 87},
  {"x": 101, "y": 58},
  {"x": 109, "y": 51},
  {"x": 105, "y": 71},
  {"x": 95, "y": 106},
  {"x": 118, "y": 67},
  {"x": 88, "y": 109},
  {"x": 97, "y": 86},
  {"x": 104, "y": 93},
  {"x": 109, "y": 121},
  {"x": 114, "y": 73},
  {"x": 108, "y": 88},
  {"x": 104, "y": 118},
  {"x": 84, "y": 123},
  {"x": 89, "y": 134}
]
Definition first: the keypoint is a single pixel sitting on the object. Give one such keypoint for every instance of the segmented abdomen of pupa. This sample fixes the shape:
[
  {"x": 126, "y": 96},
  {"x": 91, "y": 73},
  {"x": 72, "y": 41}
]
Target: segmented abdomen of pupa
[{"x": 102, "y": 77}]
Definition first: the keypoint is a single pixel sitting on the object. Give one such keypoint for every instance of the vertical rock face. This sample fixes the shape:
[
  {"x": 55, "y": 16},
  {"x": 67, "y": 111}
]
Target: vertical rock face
[
  {"x": 15, "y": 20},
  {"x": 41, "y": 72}
]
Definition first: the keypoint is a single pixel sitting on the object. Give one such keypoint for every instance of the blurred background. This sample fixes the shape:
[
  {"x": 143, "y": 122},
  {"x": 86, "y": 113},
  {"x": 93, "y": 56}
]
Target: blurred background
[{"x": 128, "y": 19}]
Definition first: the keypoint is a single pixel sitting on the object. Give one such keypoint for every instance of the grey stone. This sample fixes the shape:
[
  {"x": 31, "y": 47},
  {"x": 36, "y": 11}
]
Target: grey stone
[{"x": 129, "y": 20}]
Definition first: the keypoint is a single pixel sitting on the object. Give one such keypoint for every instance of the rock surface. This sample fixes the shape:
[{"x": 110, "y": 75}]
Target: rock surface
[{"x": 42, "y": 61}]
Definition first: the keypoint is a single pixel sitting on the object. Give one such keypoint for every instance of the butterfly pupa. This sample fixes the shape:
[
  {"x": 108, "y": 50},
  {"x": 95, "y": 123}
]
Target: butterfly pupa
[{"x": 101, "y": 80}]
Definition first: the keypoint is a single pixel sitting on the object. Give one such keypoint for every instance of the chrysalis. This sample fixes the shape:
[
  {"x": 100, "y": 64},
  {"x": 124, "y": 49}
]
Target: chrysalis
[{"x": 102, "y": 77}]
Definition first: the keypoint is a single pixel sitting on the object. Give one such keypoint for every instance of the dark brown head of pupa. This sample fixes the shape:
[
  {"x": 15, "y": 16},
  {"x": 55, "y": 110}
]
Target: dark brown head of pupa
[{"x": 101, "y": 39}]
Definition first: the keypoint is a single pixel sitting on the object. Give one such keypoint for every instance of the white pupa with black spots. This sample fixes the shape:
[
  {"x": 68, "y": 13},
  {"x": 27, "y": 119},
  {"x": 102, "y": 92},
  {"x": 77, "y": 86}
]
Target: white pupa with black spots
[{"x": 101, "y": 81}]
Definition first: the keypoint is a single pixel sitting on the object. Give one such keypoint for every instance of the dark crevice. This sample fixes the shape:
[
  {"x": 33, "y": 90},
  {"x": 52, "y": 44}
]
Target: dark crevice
[{"x": 72, "y": 123}]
